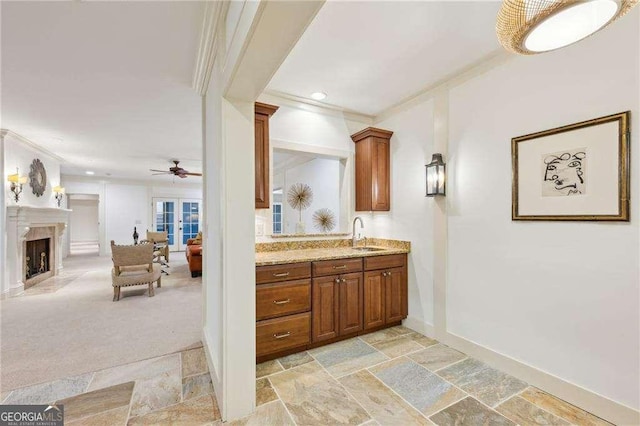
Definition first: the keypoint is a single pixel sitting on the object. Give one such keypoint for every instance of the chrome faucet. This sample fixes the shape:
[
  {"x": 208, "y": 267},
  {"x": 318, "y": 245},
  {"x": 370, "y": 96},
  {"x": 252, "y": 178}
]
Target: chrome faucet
[{"x": 355, "y": 239}]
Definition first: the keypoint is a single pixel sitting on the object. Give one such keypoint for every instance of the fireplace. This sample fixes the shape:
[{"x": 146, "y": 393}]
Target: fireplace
[
  {"x": 27, "y": 227},
  {"x": 37, "y": 258}
]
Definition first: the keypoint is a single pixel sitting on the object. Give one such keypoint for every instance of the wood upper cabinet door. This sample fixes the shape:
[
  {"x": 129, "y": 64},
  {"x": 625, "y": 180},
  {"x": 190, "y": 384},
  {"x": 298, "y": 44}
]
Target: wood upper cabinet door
[
  {"x": 374, "y": 299},
  {"x": 262, "y": 150},
  {"x": 324, "y": 310},
  {"x": 380, "y": 179},
  {"x": 396, "y": 294},
  {"x": 373, "y": 169},
  {"x": 351, "y": 303}
]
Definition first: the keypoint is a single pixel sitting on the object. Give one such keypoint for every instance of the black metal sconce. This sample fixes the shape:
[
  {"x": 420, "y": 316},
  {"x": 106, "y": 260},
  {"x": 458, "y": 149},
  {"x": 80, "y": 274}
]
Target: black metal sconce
[{"x": 436, "y": 176}]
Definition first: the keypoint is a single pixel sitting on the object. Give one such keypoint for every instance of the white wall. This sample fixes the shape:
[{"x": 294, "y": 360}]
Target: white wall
[
  {"x": 84, "y": 221},
  {"x": 21, "y": 155},
  {"x": 323, "y": 176},
  {"x": 123, "y": 205},
  {"x": 411, "y": 212},
  {"x": 563, "y": 297}
]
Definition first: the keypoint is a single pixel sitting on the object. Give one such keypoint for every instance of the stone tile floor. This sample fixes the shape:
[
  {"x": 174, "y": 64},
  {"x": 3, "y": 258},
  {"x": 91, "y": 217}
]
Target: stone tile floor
[
  {"x": 399, "y": 377},
  {"x": 391, "y": 377},
  {"x": 172, "y": 389}
]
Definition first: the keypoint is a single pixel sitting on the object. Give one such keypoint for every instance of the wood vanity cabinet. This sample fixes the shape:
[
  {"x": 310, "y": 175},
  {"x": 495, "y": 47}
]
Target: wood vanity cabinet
[
  {"x": 373, "y": 169},
  {"x": 337, "y": 299},
  {"x": 303, "y": 305},
  {"x": 262, "y": 114},
  {"x": 283, "y": 307},
  {"x": 385, "y": 290}
]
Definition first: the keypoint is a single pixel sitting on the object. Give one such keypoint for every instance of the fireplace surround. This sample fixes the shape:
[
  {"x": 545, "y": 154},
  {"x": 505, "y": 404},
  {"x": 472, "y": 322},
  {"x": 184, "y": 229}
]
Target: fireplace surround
[{"x": 28, "y": 224}]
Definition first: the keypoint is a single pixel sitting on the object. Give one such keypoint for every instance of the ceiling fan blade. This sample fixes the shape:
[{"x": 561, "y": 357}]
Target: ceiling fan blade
[
  {"x": 192, "y": 174},
  {"x": 154, "y": 170},
  {"x": 182, "y": 176},
  {"x": 157, "y": 174}
]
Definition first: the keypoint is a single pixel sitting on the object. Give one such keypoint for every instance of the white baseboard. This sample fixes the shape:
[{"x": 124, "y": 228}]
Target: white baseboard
[
  {"x": 599, "y": 405},
  {"x": 420, "y": 326},
  {"x": 10, "y": 292},
  {"x": 215, "y": 377}
]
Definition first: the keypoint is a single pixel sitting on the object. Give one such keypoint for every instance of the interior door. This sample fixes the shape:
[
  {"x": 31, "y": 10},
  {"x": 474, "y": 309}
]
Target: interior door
[
  {"x": 189, "y": 222},
  {"x": 179, "y": 217},
  {"x": 165, "y": 218}
]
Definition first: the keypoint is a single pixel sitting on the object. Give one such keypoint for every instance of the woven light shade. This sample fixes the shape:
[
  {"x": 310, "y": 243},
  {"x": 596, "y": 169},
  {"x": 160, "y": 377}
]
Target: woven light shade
[{"x": 517, "y": 20}]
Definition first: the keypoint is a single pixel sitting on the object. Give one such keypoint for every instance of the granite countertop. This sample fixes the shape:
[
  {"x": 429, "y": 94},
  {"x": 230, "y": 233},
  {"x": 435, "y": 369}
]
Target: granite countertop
[{"x": 312, "y": 254}]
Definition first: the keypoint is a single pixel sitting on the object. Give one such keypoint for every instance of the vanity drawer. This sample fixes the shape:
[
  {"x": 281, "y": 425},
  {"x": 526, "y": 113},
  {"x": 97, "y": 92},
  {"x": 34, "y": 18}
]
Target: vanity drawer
[
  {"x": 334, "y": 267},
  {"x": 289, "y": 271},
  {"x": 278, "y": 334},
  {"x": 275, "y": 300},
  {"x": 384, "y": 262}
]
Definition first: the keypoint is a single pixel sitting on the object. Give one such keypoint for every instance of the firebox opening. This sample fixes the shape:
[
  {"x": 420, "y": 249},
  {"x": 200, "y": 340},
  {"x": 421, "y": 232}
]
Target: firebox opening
[{"x": 37, "y": 258}]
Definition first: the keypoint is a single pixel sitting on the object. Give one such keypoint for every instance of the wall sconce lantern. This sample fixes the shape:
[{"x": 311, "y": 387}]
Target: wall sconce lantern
[
  {"x": 16, "y": 184},
  {"x": 59, "y": 191},
  {"x": 435, "y": 176}
]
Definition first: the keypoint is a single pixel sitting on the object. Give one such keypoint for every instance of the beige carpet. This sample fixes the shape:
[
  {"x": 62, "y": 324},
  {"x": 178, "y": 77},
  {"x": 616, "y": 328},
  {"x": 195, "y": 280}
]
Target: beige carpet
[{"x": 69, "y": 325}]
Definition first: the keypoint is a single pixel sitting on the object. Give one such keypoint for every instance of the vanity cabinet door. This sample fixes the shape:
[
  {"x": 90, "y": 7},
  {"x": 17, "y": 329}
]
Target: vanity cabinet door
[
  {"x": 380, "y": 179},
  {"x": 351, "y": 303},
  {"x": 374, "y": 299},
  {"x": 262, "y": 114},
  {"x": 373, "y": 169},
  {"x": 396, "y": 294},
  {"x": 324, "y": 311}
]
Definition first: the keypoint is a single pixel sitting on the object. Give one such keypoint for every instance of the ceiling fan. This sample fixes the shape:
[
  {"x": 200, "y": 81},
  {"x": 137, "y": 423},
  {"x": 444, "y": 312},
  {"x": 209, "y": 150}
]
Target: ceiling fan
[{"x": 175, "y": 170}]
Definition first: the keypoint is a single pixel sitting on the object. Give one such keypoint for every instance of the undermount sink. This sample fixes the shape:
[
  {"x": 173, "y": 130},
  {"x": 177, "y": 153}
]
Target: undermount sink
[{"x": 368, "y": 249}]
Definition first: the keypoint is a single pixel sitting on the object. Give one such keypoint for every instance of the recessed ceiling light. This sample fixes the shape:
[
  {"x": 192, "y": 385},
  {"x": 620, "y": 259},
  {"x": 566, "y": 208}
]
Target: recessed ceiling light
[
  {"x": 89, "y": 172},
  {"x": 318, "y": 96}
]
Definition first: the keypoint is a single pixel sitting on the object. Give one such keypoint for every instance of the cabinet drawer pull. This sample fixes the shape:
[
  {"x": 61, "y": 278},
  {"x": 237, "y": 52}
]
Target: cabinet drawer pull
[
  {"x": 340, "y": 267},
  {"x": 282, "y": 274},
  {"x": 282, "y": 336},
  {"x": 281, "y": 302}
]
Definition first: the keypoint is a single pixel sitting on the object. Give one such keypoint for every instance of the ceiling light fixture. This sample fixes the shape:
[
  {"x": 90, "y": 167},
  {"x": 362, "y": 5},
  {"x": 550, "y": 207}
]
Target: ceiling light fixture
[
  {"x": 528, "y": 27},
  {"x": 90, "y": 173},
  {"x": 318, "y": 96}
]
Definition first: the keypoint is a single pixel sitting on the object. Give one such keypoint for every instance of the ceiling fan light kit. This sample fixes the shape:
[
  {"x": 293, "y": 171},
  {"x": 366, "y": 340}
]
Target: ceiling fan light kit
[{"x": 527, "y": 27}]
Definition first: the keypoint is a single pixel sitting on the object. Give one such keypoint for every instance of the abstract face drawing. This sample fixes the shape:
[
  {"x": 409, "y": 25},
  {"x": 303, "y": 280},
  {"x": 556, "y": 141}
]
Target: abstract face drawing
[{"x": 564, "y": 173}]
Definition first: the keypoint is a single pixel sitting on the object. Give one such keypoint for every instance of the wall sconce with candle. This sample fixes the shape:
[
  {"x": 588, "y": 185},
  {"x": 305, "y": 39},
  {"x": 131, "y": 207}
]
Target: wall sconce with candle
[
  {"x": 59, "y": 191},
  {"x": 16, "y": 184},
  {"x": 435, "y": 176}
]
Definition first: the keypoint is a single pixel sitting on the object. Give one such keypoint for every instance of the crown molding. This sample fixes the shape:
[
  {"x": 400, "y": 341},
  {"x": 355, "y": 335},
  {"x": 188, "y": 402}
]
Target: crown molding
[
  {"x": 6, "y": 132},
  {"x": 215, "y": 12},
  {"x": 285, "y": 99},
  {"x": 486, "y": 63},
  {"x": 65, "y": 177}
]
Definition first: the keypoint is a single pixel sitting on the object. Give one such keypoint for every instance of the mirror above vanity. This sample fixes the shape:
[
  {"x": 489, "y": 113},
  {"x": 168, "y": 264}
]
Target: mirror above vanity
[{"x": 309, "y": 192}]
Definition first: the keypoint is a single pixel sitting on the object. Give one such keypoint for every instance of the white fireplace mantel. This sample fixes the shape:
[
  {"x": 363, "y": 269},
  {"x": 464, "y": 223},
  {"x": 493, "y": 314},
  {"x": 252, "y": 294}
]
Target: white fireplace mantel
[{"x": 22, "y": 219}]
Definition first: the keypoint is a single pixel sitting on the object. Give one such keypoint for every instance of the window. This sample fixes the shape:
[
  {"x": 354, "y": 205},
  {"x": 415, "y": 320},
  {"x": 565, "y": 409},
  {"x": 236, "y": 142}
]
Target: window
[{"x": 277, "y": 218}]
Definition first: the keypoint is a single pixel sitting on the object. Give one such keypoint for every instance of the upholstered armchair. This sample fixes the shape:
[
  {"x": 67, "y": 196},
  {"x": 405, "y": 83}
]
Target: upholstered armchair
[{"x": 133, "y": 265}]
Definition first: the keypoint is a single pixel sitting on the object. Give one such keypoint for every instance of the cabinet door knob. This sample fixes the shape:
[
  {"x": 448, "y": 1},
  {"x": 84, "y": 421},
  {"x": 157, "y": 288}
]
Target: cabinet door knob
[
  {"x": 337, "y": 280},
  {"x": 281, "y": 302},
  {"x": 384, "y": 274},
  {"x": 388, "y": 274},
  {"x": 282, "y": 336},
  {"x": 344, "y": 280}
]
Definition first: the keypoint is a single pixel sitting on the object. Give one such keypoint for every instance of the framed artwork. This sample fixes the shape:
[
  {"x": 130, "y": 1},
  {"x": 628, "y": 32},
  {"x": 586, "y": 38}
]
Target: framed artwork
[{"x": 574, "y": 172}]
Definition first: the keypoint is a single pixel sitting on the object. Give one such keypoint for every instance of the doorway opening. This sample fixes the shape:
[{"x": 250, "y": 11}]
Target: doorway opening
[{"x": 84, "y": 224}]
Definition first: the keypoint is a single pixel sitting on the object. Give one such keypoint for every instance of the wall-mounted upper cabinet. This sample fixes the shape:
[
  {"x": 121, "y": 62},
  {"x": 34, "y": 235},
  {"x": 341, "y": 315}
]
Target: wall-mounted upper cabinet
[
  {"x": 373, "y": 169},
  {"x": 262, "y": 114}
]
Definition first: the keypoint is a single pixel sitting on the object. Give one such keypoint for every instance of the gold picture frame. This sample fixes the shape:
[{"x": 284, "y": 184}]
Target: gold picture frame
[{"x": 578, "y": 172}]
